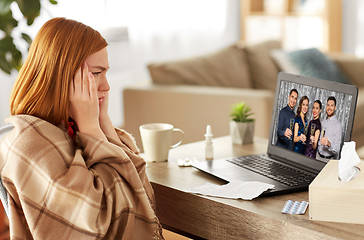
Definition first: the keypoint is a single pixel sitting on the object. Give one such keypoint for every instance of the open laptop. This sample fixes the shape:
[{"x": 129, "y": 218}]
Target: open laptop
[{"x": 300, "y": 168}]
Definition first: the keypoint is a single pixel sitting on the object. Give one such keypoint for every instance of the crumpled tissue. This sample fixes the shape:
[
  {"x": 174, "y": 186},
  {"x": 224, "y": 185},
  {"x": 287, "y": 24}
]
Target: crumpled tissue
[
  {"x": 233, "y": 190},
  {"x": 349, "y": 158}
]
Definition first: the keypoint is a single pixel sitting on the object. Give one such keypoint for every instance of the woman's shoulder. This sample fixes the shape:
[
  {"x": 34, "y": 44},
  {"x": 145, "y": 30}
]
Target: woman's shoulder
[
  {"x": 25, "y": 121},
  {"x": 31, "y": 134},
  {"x": 29, "y": 125},
  {"x": 37, "y": 141}
]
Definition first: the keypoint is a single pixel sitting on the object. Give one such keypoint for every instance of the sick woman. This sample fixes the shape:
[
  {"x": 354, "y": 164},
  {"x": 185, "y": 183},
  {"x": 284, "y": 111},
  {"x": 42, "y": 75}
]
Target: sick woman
[{"x": 68, "y": 172}]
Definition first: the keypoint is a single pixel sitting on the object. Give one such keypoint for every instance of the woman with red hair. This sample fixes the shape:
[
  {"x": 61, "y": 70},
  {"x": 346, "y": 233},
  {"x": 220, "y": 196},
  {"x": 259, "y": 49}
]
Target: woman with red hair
[{"x": 68, "y": 172}]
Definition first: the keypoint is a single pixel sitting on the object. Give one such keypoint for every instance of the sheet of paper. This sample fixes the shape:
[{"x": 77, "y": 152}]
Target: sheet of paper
[{"x": 234, "y": 190}]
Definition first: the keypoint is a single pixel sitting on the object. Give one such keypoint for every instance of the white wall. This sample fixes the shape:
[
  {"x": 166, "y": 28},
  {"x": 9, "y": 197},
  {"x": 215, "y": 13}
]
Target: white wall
[
  {"x": 353, "y": 27},
  {"x": 349, "y": 25},
  {"x": 6, "y": 83}
]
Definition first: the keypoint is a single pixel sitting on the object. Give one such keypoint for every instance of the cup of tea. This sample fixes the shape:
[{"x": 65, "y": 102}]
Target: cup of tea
[{"x": 157, "y": 140}]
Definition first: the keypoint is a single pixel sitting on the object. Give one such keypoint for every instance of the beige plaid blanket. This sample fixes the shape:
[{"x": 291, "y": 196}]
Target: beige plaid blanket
[{"x": 83, "y": 189}]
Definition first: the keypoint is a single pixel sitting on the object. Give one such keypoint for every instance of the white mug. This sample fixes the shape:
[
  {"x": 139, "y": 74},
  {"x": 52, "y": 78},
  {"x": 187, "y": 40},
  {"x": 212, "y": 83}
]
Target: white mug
[{"x": 156, "y": 140}]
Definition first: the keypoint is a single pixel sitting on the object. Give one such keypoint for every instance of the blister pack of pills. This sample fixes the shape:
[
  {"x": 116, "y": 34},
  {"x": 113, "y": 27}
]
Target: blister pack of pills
[{"x": 296, "y": 207}]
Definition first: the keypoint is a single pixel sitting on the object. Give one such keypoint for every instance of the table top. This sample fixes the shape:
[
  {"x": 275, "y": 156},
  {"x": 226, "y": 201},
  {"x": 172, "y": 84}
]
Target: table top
[{"x": 203, "y": 217}]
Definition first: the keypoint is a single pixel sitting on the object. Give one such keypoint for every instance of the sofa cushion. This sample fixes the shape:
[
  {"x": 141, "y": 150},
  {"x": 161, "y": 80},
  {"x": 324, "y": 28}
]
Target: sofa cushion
[
  {"x": 227, "y": 67},
  {"x": 351, "y": 66},
  {"x": 262, "y": 67},
  {"x": 309, "y": 62}
]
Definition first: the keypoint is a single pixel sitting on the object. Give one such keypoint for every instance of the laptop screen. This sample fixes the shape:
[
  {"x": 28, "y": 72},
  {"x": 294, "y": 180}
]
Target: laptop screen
[{"x": 311, "y": 120}]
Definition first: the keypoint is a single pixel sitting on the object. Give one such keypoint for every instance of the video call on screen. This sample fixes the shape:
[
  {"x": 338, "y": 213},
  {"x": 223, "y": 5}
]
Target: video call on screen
[{"x": 310, "y": 125}]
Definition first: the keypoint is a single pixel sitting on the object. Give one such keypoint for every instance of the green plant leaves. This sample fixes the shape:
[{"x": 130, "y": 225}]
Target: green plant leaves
[
  {"x": 7, "y": 22},
  {"x": 5, "y": 6},
  {"x": 10, "y": 56},
  {"x": 30, "y": 9},
  {"x": 240, "y": 112},
  {"x": 27, "y": 38}
]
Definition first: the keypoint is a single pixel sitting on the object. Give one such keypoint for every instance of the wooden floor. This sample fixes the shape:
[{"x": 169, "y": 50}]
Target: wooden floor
[
  {"x": 173, "y": 236},
  {"x": 5, "y": 234}
]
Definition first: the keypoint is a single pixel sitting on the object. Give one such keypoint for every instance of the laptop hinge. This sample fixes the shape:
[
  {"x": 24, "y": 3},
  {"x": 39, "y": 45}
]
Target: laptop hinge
[{"x": 294, "y": 164}]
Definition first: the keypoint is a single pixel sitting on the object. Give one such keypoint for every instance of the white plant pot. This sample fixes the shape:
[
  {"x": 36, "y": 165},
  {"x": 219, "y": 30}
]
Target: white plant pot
[{"x": 242, "y": 132}]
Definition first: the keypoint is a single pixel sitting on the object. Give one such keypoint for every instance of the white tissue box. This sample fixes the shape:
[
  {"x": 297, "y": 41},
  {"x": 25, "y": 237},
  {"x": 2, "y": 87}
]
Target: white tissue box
[{"x": 335, "y": 201}]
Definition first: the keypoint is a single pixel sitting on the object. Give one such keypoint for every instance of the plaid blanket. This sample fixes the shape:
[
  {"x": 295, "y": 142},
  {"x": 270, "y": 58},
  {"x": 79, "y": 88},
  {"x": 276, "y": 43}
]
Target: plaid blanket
[{"x": 84, "y": 188}]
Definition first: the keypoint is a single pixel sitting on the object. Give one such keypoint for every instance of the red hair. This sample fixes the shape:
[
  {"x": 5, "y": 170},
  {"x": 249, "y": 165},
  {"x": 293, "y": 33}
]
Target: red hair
[{"x": 42, "y": 86}]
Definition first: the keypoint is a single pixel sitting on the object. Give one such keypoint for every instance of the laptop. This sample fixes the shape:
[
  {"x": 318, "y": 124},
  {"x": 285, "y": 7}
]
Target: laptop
[{"x": 278, "y": 161}]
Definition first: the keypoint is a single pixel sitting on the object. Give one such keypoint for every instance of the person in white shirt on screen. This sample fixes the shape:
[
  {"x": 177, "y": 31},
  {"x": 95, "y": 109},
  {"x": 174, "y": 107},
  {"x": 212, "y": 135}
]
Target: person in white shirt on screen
[{"x": 329, "y": 145}]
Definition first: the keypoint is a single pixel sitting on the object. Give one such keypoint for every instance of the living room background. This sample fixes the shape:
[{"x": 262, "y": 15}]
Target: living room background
[{"x": 143, "y": 31}]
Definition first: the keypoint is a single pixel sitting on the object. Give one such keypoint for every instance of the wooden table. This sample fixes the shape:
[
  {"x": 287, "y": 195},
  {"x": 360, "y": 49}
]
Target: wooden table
[{"x": 201, "y": 217}]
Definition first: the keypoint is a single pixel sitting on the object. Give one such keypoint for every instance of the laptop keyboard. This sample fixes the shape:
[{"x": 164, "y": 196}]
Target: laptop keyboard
[{"x": 263, "y": 165}]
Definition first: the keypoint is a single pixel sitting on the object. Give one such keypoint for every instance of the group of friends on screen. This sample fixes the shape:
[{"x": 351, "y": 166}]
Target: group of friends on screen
[{"x": 317, "y": 138}]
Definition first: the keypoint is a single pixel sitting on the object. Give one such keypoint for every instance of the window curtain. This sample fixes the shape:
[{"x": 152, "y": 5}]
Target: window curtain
[{"x": 161, "y": 30}]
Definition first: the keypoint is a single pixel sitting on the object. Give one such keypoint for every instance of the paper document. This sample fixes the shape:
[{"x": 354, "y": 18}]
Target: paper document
[{"x": 234, "y": 190}]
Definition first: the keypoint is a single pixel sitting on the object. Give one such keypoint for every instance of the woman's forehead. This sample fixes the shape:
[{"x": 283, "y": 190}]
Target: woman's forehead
[{"x": 98, "y": 59}]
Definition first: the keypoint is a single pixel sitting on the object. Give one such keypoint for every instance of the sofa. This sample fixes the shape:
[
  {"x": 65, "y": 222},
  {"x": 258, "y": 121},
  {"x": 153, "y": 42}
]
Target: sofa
[{"x": 193, "y": 93}]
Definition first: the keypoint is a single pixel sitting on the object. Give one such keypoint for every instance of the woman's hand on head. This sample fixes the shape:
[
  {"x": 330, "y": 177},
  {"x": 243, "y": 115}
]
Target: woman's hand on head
[{"x": 84, "y": 104}]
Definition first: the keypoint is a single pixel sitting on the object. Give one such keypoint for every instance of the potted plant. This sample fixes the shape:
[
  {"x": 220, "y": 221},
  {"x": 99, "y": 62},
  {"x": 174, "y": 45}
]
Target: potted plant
[{"x": 241, "y": 125}]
